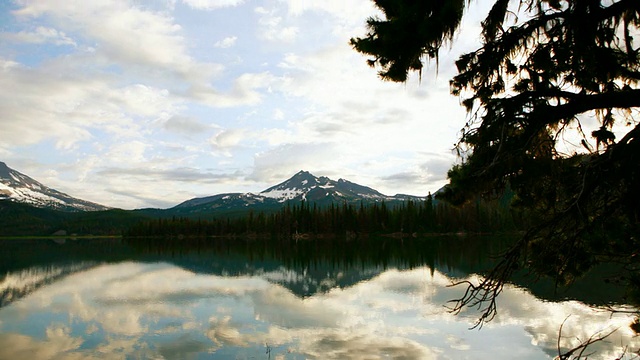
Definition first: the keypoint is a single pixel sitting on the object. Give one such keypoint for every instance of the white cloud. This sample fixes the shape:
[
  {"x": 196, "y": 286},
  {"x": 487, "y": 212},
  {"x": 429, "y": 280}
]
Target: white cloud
[
  {"x": 141, "y": 40},
  {"x": 40, "y": 35},
  {"x": 273, "y": 27},
  {"x": 128, "y": 152},
  {"x": 124, "y": 32},
  {"x": 144, "y": 100},
  {"x": 243, "y": 92},
  {"x": 357, "y": 10},
  {"x": 347, "y": 106},
  {"x": 212, "y": 4},
  {"x": 351, "y": 345},
  {"x": 68, "y": 107},
  {"x": 278, "y": 114},
  {"x": 226, "y": 42},
  {"x": 46, "y": 108},
  {"x": 349, "y": 15},
  {"x": 280, "y": 162},
  {"x": 57, "y": 344},
  {"x": 226, "y": 140}
]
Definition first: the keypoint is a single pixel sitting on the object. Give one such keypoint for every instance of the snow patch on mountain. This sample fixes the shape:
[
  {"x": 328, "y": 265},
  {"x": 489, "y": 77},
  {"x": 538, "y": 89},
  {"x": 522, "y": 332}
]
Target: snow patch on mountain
[
  {"x": 282, "y": 195},
  {"x": 15, "y": 186},
  {"x": 27, "y": 195}
]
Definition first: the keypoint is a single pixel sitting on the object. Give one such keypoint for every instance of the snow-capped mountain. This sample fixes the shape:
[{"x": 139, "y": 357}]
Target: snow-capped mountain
[
  {"x": 15, "y": 186},
  {"x": 305, "y": 186},
  {"x": 302, "y": 186}
]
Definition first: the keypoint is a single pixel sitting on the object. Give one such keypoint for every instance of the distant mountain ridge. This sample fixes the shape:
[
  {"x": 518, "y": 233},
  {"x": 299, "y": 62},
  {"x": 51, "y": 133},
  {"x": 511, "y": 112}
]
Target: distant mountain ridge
[
  {"x": 18, "y": 187},
  {"x": 302, "y": 186},
  {"x": 28, "y": 207}
]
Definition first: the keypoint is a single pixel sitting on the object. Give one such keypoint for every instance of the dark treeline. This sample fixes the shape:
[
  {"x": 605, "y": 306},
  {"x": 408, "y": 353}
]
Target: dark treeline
[
  {"x": 18, "y": 219},
  {"x": 304, "y": 218}
]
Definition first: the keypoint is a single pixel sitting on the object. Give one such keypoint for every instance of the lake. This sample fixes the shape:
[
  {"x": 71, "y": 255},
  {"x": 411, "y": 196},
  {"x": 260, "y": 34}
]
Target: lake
[{"x": 378, "y": 298}]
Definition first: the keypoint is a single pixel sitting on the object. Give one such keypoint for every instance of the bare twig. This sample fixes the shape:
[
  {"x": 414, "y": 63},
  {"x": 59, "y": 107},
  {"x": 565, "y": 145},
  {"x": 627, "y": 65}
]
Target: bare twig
[
  {"x": 578, "y": 352},
  {"x": 483, "y": 296}
]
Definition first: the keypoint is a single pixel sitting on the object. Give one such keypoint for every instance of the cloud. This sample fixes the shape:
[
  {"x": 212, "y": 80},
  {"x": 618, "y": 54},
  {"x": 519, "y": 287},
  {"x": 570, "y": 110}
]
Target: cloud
[
  {"x": 136, "y": 173},
  {"x": 223, "y": 334},
  {"x": 348, "y": 345},
  {"x": 432, "y": 171},
  {"x": 173, "y": 174},
  {"x": 226, "y": 140},
  {"x": 138, "y": 41},
  {"x": 278, "y": 114},
  {"x": 226, "y": 42},
  {"x": 244, "y": 90},
  {"x": 280, "y": 307},
  {"x": 281, "y": 162},
  {"x": 212, "y": 4},
  {"x": 131, "y": 174},
  {"x": 153, "y": 73},
  {"x": 143, "y": 101},
  {"x": 185, "y": 125},
  {"x": 154, "y": 177},
  {"x": 128, "y": 152},
  {"x": 129, "y": 77},
  {"x": 24, "y": 125},
  {"x": 272, "y": 27},
  {"x": 404, "y": 177},
  {"x": 380, "y": 127},
  {"x": 339, "y": 83},
  {"x": 137, "y": 198},
  {"x": 437, "y": 165},
  {"x": 349, "y": 15},
  {"x": 124, "y": 32},
  {"x": 411, "y": 183},
  {"x": 55, "y": 103},
  {"x": 40, "y": 35},
  {"x": 57, "y": 345}
]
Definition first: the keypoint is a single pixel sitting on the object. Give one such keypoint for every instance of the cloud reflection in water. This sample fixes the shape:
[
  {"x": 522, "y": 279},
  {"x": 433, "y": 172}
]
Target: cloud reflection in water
[{"x": 160, "y": 310}]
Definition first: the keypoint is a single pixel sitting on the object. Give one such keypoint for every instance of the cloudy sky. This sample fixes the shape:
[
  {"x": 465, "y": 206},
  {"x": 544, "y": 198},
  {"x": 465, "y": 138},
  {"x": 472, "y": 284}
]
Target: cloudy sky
[{"x": 136, "y": 103}]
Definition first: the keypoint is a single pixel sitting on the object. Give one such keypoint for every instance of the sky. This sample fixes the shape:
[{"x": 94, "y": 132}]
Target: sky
[{"x": 136, "y": 103}]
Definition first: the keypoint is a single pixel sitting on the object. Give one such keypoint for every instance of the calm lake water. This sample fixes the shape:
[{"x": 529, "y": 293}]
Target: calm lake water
[{"x": 248, "y": 299}]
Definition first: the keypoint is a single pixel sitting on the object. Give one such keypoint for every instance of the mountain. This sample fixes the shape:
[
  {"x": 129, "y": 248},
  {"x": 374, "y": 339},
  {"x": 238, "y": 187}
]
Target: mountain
[
  {"x": 305, "y": 186},
  {"x": 301, "y": 186},
  {"x": 17, "y": 187}
]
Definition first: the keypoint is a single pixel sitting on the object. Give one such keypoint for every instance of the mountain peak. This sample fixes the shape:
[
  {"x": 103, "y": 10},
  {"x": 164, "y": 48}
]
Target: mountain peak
[
  {"x": 303, "y": 186},
  {"x": 302, "y": 174},
  {"x": 294, "y": 187},
  {"x": 15, "y": 186}
]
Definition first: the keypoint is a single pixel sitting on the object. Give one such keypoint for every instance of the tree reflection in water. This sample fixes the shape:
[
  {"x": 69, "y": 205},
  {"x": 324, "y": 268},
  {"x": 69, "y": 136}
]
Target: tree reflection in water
[{"x": 317, "y": 299}]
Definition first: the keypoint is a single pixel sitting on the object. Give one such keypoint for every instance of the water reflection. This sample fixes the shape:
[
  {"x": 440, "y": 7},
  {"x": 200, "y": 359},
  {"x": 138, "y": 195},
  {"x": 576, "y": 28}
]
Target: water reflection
[{"x": 212, "y": 304}]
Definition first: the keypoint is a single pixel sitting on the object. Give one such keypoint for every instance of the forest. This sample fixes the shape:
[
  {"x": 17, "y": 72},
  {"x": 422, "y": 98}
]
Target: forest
[{"x": 305, "y": 219}]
